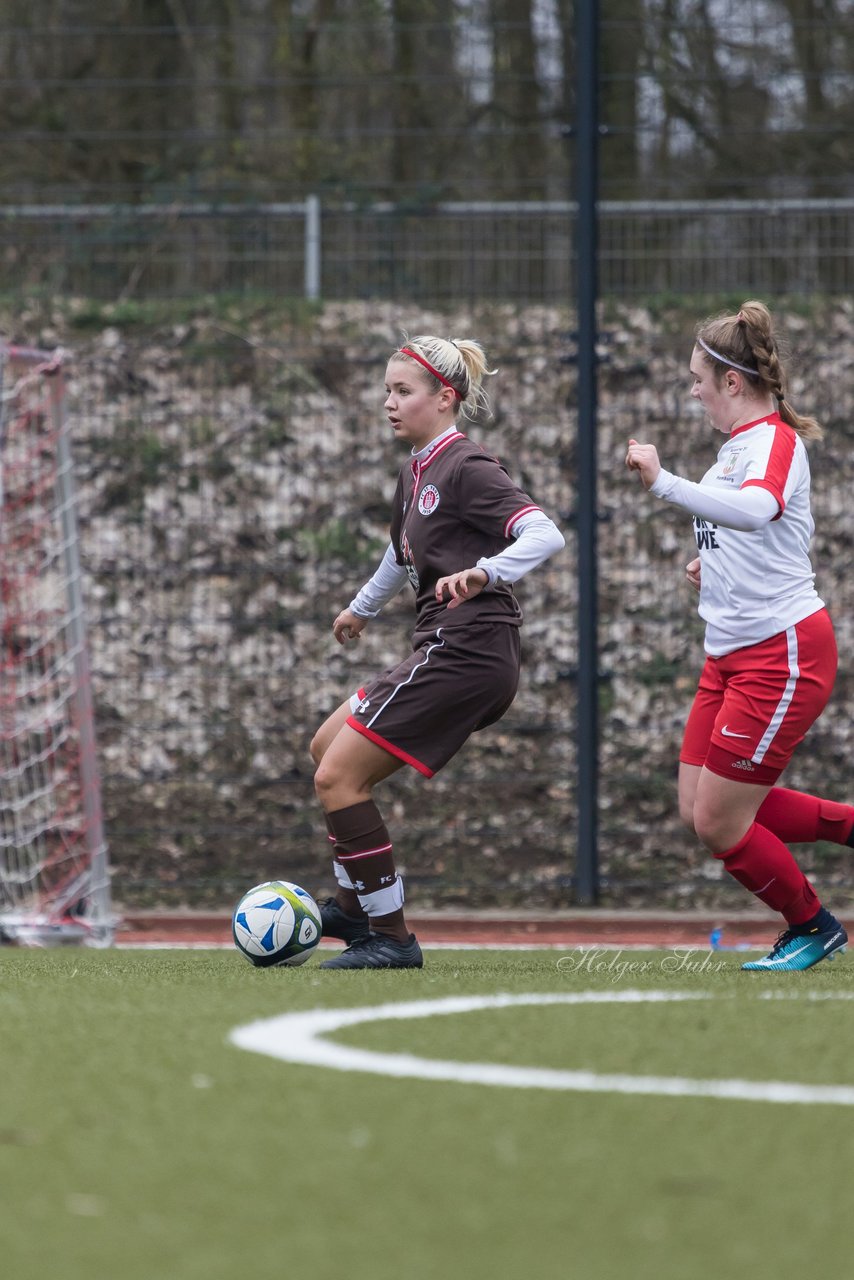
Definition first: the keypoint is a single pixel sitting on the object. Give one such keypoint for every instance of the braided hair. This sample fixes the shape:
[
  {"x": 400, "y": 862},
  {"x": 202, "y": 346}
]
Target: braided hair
[{"x": 746, "y": 341}]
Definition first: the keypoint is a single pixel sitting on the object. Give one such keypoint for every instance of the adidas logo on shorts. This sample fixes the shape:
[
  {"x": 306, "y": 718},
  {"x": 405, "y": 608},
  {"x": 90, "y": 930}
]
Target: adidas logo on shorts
[{"x": 743, "y": 764}]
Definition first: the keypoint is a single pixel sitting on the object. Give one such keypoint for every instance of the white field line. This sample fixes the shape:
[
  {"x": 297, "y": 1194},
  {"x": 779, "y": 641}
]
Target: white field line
[{"x": 299, "y": 1038}]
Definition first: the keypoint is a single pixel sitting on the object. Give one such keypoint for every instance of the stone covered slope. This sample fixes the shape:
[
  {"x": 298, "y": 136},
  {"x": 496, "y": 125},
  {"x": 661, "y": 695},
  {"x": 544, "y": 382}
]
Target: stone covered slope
[{"x": 235, "y": 472}]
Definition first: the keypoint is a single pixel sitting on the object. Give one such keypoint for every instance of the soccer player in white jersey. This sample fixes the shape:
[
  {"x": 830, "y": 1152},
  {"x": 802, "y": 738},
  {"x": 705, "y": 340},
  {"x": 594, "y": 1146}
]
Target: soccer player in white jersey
[{"x": 770, "y": 649}]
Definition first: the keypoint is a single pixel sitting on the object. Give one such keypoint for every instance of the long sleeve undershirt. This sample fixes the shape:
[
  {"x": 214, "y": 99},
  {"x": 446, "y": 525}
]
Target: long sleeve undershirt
[
  {"x": 536, "y": 538},
  {"x": 745, "y": 509},
  {"x": 380, "y": 588}
]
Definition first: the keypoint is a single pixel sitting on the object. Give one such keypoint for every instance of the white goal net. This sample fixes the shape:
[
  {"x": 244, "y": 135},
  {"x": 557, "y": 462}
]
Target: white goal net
[{"x": 53, "y": 861}]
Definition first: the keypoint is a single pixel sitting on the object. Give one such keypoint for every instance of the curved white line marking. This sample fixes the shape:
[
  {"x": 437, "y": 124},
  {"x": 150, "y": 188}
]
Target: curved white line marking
[{"x": 297, "y": 1038}]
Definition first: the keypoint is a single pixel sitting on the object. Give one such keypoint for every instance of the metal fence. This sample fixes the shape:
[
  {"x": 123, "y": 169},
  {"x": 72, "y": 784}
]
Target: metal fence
[
  {"x": 448, "y": 253},
  {"x": 234, "y": 490}
]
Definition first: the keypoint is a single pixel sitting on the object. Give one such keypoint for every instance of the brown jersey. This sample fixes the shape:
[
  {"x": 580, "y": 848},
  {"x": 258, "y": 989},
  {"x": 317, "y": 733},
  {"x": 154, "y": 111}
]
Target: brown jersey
[{"x": 450, "y": 509}]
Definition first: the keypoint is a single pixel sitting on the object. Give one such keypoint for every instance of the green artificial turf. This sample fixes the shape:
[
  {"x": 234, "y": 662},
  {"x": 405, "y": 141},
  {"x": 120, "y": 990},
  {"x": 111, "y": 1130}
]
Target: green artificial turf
[{"x": 138, "y": 1143}]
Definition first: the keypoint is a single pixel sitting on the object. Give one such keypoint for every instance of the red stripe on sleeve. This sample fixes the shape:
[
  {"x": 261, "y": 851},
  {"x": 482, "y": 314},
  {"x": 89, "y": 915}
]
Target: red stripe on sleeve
[
  {"x": 778, "y": 466},
  {"x": 517, "y": 515}
]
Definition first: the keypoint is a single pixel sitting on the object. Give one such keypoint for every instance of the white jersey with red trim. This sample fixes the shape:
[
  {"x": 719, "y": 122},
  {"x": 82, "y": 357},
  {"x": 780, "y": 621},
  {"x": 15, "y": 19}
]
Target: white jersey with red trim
[{"x": 755, "y": 583}]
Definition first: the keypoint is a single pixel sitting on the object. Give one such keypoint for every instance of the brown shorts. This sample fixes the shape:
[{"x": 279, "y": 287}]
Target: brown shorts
[{"x": 458, "y": 680}]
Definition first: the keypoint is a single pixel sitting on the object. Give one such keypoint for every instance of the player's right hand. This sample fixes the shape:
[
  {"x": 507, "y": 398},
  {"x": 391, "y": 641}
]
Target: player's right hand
[
  {"x": 348, "y": 626},
  {"x": 643, "y": 458},
  {"x": 692, "y": 571}
]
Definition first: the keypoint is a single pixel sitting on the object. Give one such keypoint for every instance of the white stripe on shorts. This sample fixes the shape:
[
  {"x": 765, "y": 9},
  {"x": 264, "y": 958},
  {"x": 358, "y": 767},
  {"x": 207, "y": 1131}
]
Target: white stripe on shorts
[
  {"x": 785, "y": 701},
  {"x": 437, "y": 644}
]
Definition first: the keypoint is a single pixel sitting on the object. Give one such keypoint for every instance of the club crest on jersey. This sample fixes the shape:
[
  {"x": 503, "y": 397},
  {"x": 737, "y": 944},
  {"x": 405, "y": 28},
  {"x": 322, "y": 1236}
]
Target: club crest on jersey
[
  {"x": 730, "y": 462},
  {"x": 428, "y": 500}
]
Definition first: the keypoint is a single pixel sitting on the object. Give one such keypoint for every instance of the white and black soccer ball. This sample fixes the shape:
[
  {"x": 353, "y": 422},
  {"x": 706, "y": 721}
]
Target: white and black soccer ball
[{"x": 276, "y": 923}]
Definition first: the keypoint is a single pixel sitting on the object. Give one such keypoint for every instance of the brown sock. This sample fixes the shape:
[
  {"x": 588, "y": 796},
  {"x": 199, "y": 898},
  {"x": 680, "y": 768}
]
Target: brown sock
[
  {"x": 345, "y": 894},
  {"x": 364, "y": 850},
  {"x": 348, "y": 901}
]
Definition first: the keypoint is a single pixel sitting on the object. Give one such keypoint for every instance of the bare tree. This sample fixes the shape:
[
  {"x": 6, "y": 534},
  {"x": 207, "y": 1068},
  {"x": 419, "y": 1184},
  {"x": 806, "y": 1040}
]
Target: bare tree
[
  {"x": 422, "y": 100},
  {"x": 620, "y": 55},
  {"x": 743, "y": 105},
  {"x": 424, "y": 95},
  {"x": 516, "y": 107}
]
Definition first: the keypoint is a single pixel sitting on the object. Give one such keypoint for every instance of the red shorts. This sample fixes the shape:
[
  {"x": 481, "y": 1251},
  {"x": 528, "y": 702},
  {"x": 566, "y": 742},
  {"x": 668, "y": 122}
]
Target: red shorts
[{"x": 754, "y": 706}]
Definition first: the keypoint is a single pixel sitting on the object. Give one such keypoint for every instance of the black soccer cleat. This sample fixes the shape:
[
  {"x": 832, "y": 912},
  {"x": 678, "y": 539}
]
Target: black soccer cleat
[
  {"x": 337, "y": 924},
  {"x": 377, "y": 951}
]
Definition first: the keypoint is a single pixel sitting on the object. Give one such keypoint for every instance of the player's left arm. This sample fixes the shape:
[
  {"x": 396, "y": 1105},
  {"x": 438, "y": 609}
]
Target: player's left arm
[
  {"x": 536, "y": 539},
  {"x": 496, "y": 506}
]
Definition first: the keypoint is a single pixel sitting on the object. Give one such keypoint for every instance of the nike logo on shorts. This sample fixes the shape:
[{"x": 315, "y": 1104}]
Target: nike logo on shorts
[{"x": 727, "y": 733}]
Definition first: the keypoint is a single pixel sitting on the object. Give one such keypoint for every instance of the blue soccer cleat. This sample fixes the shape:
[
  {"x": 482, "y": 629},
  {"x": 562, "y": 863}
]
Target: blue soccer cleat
[{"x": 794, "y": 950}]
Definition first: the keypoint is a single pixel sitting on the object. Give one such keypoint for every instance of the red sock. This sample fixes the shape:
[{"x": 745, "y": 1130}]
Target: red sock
[
  {"x": 762, "y": 863},
  {"x": 796, "y": 816}
]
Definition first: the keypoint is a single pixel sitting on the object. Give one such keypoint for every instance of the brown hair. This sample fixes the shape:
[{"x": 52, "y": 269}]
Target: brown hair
[{"x": 746, "y": 341}]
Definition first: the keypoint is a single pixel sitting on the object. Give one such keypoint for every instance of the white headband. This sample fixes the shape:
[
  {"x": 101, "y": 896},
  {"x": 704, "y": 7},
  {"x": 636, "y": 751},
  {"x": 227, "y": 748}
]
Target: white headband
[{"x": 733, "y": 364}]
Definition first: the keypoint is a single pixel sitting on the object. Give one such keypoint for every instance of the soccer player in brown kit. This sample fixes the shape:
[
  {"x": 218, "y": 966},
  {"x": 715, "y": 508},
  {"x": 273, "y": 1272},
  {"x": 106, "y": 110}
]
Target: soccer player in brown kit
[{"x": 461, "y": 532}]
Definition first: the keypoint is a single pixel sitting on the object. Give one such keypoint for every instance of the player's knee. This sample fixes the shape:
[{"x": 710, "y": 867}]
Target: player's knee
[
  {"x": 316, "y": 748},
  {"x": 324, "y": 779},
  {"x": 686, "y": 813},
  {"x": 714, "y": 830},
  {"x": 704, "y": 831}
]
